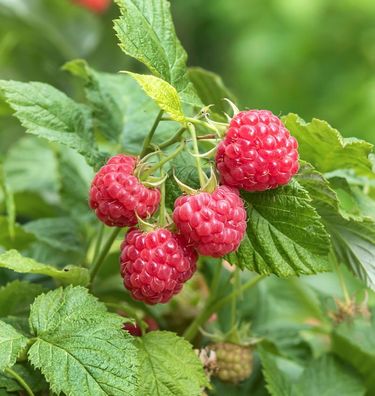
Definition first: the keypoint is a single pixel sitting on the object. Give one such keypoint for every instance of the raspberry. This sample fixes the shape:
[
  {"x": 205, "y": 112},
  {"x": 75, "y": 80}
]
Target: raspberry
[
  {"x": 213, "y": 223},
  {"x": 257, "y": 152},
  {"x": 98, "y": 6},
  {"x": 155, "y": 264},
  {"x": 117, "y": 195},
  {"x": 136, "y": 331},
  {"x": 234, "y": 362}
]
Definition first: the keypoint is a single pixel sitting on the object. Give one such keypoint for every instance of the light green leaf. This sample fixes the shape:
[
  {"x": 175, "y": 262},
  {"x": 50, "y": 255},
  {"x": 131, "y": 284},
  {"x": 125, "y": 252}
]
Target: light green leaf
[
  {"x": 146, "y": 32},
  {"x": 325, "y": 148},
  {"x": 284, "y": 235},
  {"x": 80, "y": 348},
  {"x": 17, "y": 296},
  {"x": 211, "y": 89},
  {"x": 354, "y": 342},
  {"x": 16, "y": 262},
  {"x": 61, "y": 233},
  {"x": 169, "y": 366},
  {"x": 162, "y": 93},
  {"x": 11, "y": 344},
  {"x": 107, "y": 95},
  {"x": 47, "y": 112}
]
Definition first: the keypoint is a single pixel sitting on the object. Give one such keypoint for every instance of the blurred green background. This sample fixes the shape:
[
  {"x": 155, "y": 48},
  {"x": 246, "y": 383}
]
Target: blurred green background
[{"x": 312, "y": 57}]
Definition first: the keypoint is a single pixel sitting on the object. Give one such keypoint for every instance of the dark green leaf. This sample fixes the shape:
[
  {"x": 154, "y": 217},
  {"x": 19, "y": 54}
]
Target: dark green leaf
[
  {"x": 211, "y": 89},
  {"x": 61, "y": 233},
  {"x": 17, "y": 296},
  {"x": 284, "y": 236},
  {"x": 107, "y": 94},
  {"x": 47, "y": 112},
  {"x": 146, "y": 32}
]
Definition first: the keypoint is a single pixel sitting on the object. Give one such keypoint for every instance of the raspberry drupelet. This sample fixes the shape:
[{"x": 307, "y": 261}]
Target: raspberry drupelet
[
  {"x": 156, "y": 264},
  {"x": 117, "y": 195},
  {"x": 257, "y": 152}
]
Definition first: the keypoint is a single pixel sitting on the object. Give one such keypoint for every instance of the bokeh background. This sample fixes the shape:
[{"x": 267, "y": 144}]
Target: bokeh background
[{"x": 312, "y": 57}]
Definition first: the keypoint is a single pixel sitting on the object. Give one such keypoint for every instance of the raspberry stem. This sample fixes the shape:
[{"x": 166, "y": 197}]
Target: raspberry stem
[
  {"x": 99, "y": 240},
  {"x": 20, "y": 380},
  {"x": 174, "y": 139},
  {"x": 160, "y": 164},
  {"x": 193, "y": 134},
  {"x": 103, "y": 254},
  {"x": 213, "y": 305},
  {"x": 147, "y": 141}
]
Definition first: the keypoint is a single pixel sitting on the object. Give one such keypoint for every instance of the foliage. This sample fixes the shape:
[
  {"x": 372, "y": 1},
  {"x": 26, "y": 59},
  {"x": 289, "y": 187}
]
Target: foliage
[{"x": 61, "y": 316}]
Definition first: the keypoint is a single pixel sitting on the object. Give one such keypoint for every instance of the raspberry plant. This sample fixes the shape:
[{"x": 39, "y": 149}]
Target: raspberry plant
[{"x": 226, "y": 208}]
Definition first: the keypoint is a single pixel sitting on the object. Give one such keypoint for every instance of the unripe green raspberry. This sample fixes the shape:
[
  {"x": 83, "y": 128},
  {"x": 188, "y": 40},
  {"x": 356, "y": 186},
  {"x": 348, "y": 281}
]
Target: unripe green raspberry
[{"x": 234, "y": 362}]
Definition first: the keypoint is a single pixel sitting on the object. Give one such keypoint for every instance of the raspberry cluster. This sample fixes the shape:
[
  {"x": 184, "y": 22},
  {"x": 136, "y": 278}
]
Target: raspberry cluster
[
  {"x": 234, "y": 362},
  {"x": 117, "y": 195},
  {"x": 155, "y": 264},
  {"x": 213, "y": 223},
  {"x": 257, "y": 152}
]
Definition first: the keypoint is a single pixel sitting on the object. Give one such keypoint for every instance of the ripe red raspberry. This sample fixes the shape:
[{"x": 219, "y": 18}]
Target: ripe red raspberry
[
  {"x": 117, "y": 195},
  {"x": 213, "y": 223},
  {"x": 136, "y": 331},
  {"x": 257, "y": 152},
  {"x": 234, "y": 362},
  {"x": 98, "y": 6},
  {"x": 155, "y": 264}
]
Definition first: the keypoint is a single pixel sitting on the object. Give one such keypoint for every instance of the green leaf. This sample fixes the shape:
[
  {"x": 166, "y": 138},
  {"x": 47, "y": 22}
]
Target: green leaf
[
  {"x": 284, "y": 235},
  {"x": 146, "y": 32},
  {"x": 11, "y": 344},
  {"x": 9, "y": 203},
  {"x": 76, "y": 177},
  {"x": 277, "y": 382},
  {"x": 31, "y": 165},
  {"x": 329, "y": 377},
  {"x": 61, "y": 233},
  {"x": 17, "y": 296},
  {"x": 354, "y": 342},
  {"x": 70, "y": 274},
  {"x": 211, "y": 89},
  {"x": 325, "y": 148},
  {"x": 169, "y": 366},
  {"x": 353, "y": 239},
  {"x": 354, "y": 244},
  {"x": 107, "y": 94},
  {"x": 80, "y": 348},
  {"x": 21, "y": 237},
  {"x": 324, "y": 376},
  {"x": 47, "y": 112},
  {"x": 162, "y": 93},
  {"x": 32, "y": 377}
]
